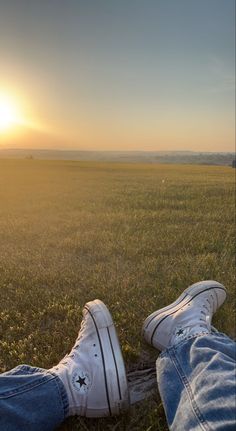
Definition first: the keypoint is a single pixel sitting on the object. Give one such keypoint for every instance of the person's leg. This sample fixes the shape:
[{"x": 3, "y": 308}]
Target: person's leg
[
  {"x": 196, "y": 380},
  {"x": 31, "y": 399},
  {"x": 90, "y": 381},
  {"x": 196, "y": 371}
]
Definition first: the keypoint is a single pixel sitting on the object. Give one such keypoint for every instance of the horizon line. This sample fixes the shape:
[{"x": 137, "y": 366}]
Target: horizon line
[{"x": 114, "y": 151}]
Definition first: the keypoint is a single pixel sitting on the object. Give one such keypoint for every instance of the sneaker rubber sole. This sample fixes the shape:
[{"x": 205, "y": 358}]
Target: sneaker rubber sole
[
  {"x": 114, "y": 372},
  {"x": 153, "y": 321}
]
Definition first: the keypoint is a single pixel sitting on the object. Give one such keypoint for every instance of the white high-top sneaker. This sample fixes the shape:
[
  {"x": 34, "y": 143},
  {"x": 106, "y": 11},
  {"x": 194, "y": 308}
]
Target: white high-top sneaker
[
  {"x": 189, "y": 315},
  {"x": 93, "y": 373}
]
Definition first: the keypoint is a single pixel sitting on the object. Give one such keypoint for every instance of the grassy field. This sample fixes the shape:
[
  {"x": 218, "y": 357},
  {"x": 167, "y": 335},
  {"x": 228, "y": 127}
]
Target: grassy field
[{"x": 132, "y": 235}]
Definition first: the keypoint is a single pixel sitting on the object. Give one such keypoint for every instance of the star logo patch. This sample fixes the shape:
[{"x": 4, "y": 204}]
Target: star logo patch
[
  {"x": 81, "y": 381},
  {"x": 181, "y": 332}
]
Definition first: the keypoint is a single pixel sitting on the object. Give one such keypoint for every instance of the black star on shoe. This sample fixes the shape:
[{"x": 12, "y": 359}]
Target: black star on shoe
[
  {"x": 81, "y": 381},
  {"x": 180, "y": 332}
]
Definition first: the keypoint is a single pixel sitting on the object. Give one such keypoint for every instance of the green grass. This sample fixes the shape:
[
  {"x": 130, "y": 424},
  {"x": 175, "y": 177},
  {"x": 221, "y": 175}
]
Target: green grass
[{"x": 132, "y": 235}]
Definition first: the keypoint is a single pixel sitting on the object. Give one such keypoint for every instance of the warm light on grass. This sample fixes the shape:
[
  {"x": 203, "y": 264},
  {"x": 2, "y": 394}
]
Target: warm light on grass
[{"x": 111, "y": 231}]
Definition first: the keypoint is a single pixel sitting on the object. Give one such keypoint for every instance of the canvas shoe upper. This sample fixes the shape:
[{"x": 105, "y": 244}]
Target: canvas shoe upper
[
  {"x": 190, "y": 314},
  {"x": 93, "y": 373}
]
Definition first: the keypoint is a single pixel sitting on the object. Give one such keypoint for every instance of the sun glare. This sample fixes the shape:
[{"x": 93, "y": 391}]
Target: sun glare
[{"x": 9, "y": 113}]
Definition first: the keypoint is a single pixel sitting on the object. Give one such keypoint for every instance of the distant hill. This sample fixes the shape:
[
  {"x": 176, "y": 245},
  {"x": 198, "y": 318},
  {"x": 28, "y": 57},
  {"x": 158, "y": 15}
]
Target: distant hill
[{"x": 176, "y": 157}]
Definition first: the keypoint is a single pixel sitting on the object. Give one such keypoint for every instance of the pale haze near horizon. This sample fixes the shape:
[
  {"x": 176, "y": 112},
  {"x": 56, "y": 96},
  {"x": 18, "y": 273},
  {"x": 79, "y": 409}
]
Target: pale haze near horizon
[{"x": 120, "y": 75}]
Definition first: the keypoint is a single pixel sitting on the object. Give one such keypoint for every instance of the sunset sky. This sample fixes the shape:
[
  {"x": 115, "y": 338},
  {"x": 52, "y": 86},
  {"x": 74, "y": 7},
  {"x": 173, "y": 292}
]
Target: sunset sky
[{"x": 117, "y": 74}]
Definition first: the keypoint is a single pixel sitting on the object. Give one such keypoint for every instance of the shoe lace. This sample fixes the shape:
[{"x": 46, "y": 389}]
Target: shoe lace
[
  {"x": 208, "y": 309},
  {"x": 73, "y": 352}
]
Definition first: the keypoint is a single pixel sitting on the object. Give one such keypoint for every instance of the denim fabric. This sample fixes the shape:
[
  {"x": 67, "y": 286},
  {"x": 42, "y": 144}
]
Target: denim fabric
[
  {"x": 31, "y": 399},
  {"x": 196, "y": 381}
]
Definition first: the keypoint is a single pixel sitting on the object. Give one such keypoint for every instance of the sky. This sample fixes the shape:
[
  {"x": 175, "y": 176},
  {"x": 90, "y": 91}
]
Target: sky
[{"x": 119, "y": 75}]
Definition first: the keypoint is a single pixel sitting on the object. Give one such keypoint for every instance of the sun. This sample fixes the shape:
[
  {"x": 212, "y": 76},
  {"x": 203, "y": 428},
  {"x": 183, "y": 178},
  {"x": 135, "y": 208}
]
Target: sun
[{"x": 9, "y": 113}]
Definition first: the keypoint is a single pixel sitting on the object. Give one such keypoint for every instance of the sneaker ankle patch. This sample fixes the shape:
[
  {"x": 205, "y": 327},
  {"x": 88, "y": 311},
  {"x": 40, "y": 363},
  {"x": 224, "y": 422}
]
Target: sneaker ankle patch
[
  {"x": 81, "y": 381},
  {"x": 181, "y": 333}
]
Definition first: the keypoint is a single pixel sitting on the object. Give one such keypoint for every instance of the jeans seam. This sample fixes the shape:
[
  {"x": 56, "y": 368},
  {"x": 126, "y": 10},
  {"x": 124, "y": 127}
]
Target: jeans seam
[
  {"x": 190, "y": 337},
  {"x": 63, "y": 395},
  {"x": 27, "y": 369},
  {"x": 187, "y": 386},
  {"x": 26, "y": 387}
]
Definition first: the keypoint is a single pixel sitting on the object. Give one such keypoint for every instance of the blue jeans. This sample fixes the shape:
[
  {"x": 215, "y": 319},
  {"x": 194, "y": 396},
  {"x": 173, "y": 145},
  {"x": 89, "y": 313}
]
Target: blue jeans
[
  {"x": 196, "y": 381},
  {"x": 197, "y": 384},
  {"x": 31, "y": 399}
]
